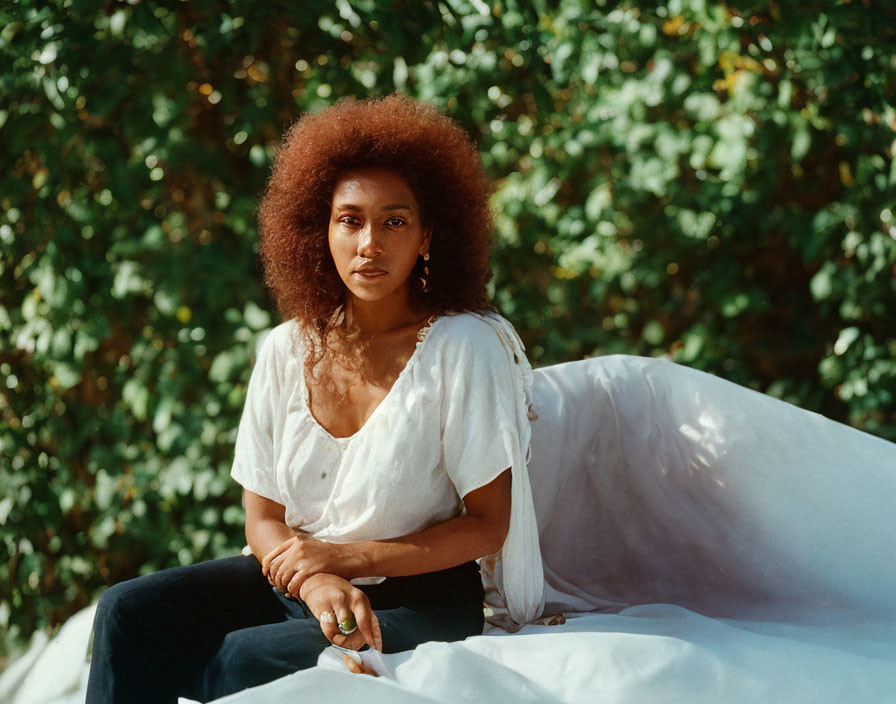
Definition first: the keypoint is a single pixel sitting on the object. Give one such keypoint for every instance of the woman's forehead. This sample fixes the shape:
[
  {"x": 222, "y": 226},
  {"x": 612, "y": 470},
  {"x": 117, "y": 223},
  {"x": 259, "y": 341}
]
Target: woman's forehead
[{"x": 377, "y": 185}]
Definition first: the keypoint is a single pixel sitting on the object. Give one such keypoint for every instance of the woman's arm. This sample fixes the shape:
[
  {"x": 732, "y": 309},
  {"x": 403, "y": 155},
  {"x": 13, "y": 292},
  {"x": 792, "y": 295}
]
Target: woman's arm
[
  {"x": 481, "y": 531},
  {"x": 265, "y": 524}
]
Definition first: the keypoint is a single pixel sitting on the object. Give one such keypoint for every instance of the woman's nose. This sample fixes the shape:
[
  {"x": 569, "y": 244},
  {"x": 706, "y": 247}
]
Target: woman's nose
[{"x": 369, "y": 243}]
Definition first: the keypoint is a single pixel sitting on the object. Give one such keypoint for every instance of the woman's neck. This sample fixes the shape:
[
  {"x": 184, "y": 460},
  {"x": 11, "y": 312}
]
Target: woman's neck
[{"x": 377, "y": 317}]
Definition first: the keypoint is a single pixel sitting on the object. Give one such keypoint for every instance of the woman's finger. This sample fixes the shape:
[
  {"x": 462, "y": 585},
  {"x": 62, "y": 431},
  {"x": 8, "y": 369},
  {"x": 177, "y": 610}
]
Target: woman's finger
[
  {"x": 266, "y": 560},
  {"x": 295, "y": 583},
  {"x": 345, "y": 619},
  {"x": 269, "y": 566},
  {"x": 273, "y": 570},
  {"x": 281, "y": 570},
  {"x": 340, "y": 610},
  {"x": 366, "y": 620},
  {"x": 355, "y": 667},
  {"x": 328, "y": 627},
  {"x": 377, "y": 634},
  {"x": 284, "y": 576},
  {"x": 353, "y": 642}
]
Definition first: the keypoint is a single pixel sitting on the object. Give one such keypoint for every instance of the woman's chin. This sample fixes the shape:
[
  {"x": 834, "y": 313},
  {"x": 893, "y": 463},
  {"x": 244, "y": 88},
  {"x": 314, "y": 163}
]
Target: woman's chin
[
  {"x": 377, "y": 291},
  {"x": 368, "y": 295}
]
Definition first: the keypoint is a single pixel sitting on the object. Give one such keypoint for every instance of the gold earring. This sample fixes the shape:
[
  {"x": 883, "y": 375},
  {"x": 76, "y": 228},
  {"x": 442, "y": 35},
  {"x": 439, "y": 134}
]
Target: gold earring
[{"x": 423, "y": 279}]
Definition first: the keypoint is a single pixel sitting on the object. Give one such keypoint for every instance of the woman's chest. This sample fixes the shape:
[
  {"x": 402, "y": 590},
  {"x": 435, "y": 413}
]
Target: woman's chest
[
  {"x": 358, "y": 426},
  {"x": 385, "y": 468},
  {"x": 347, "y": 391},
  {"x": 343, "y": 402}
]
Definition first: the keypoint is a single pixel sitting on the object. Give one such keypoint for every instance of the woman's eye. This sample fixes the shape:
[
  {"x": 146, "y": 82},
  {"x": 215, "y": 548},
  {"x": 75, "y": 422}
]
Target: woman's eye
[{"x": 395, "y": 222}]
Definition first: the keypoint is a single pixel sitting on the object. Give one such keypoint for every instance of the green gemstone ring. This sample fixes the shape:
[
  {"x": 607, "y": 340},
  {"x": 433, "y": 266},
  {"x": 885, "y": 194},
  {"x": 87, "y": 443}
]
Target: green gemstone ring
[{"x": 348, "y": 625}]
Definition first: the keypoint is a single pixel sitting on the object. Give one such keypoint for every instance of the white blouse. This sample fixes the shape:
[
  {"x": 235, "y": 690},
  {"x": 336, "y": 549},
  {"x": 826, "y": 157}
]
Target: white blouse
[{"x": 455, "y": 418}]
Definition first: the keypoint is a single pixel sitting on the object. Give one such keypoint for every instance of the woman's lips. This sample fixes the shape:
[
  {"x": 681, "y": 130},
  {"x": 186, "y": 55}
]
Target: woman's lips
[{"x": 370, "y": 273}]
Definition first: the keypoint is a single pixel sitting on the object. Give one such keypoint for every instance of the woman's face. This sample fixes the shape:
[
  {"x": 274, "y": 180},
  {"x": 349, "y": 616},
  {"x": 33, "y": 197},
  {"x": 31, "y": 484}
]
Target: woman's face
[{"x": 376, "y": 234}]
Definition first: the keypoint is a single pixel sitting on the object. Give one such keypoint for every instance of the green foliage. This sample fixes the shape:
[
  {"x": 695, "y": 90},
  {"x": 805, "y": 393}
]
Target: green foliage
[{"x": 711, "y": 182}]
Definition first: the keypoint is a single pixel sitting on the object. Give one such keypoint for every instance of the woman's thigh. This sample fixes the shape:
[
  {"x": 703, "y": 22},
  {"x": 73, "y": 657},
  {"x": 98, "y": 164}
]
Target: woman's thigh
[
  {"x": 254, "y": 656},
  {"x": 154, "y": 635},
  {"x": 407, "y": 627},
  {"x": 201, "y": 602},
  {"x": 258, "y": 655},
  {"x": 444, "y": 605}
]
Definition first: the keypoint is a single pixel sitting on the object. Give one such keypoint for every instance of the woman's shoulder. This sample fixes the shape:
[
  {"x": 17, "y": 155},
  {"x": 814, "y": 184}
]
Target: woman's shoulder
[
  {"x": 485, "y": 333},
  {"x": 284, "y": 334},
  {"x": 472, "y": 326},
  {"x": 281, "y": 343}
]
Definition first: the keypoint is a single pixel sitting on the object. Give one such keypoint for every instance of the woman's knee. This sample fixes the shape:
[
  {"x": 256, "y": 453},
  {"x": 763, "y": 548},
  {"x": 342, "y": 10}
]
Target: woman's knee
[
  {"x": 254, "y": 656},
  {"x": 236, "y": 666},
  {"x": 124, "y": 617},
  {"x": 179, "y": 590},
  {"x": 124, "y": 601}
]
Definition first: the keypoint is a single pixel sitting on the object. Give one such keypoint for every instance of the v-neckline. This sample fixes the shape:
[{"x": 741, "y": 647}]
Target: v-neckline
[{"x": 422, "y": 336}]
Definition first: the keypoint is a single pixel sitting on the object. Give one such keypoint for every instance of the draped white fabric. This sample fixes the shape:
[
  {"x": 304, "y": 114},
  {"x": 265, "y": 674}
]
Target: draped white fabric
[
  {"x": 736, "y": 548},
  {"x": 730, "y": 548},
  {"x": 658, "y": 483},
  {"x": 646, "y": 654}
]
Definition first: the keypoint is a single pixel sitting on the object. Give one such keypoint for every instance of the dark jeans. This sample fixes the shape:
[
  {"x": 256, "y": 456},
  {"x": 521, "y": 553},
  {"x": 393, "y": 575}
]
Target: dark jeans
[{"x": 215, "y": 628}]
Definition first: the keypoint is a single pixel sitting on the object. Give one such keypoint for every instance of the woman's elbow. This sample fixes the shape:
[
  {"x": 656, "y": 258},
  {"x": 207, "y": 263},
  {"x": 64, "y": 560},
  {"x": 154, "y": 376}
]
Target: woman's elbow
[
  {"x": 491, "y": 504},
  {"x": 498, "y": 535},
  {"x": 497, "y": 526}
]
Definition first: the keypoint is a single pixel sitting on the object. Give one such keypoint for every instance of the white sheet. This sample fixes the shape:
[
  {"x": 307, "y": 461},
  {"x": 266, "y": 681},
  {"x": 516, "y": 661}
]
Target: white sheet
[
  {"x": 770, "y": 529},
  {"x": 738, "y": 549},
  {"x": 658, "y": 483},
  {"x": 653, "y": 653}
]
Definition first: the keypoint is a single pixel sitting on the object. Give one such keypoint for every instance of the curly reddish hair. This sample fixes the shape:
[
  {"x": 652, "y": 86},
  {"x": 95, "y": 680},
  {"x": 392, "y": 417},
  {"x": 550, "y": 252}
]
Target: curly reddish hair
[{"x": 441, "y": 166}]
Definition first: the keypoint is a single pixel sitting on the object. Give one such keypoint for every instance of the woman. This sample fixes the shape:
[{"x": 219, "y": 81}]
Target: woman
[{"x": 383, "y": 443}]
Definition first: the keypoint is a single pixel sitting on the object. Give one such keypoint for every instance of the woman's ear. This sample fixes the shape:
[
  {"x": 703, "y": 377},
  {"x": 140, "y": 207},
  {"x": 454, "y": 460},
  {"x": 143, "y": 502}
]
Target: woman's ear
[{"x": 427, "y": 239}]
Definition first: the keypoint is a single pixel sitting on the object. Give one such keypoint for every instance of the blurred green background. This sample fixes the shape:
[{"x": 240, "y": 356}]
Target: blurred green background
[{"x": 710, "y": 182}]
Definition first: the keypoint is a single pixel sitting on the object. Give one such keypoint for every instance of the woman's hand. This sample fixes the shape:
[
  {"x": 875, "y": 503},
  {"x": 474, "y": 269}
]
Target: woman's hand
[
  {"x": 333, "y": 600},
  {"x": 294, "y": 560},
  {"x": 288, "y": 559}
]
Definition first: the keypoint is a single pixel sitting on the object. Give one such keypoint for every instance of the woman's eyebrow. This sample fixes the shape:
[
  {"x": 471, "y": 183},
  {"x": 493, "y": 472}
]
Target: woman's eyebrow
[{"x": 391, "y": 206}]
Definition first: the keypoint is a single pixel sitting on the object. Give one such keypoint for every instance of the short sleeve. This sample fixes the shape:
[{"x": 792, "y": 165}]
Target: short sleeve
[
  {"x": 254, "y": 456},
  {"x": 479, "y": 424},
  {"x": 485, "y": 430}
]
